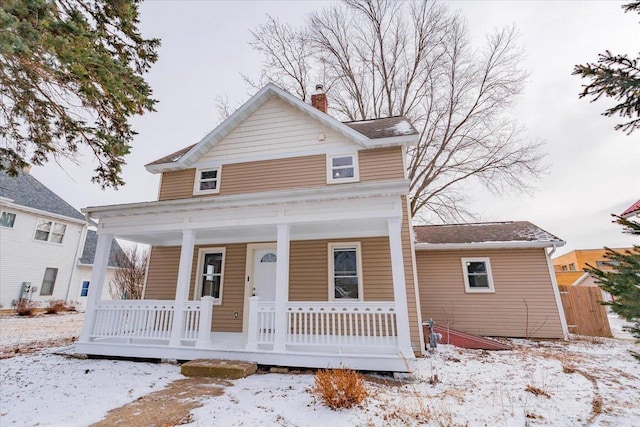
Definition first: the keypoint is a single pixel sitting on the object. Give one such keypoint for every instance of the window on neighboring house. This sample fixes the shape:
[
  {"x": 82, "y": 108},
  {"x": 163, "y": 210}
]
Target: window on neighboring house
[
  {"x": 207, "y": 181},
  {"x": 50, "y": 231},
  {"x": 7, "y": 219},
  {"x": 572, "y": 267},
  {"x": 211, "y": 276},
  {"x": 345, "y": 271},
  {"x": 85, "y": 289},
  {"x": 565, "y": 268},
  {"x": 342, "y": 168},
  {"x": 49, "y": 281},
  {"x": 477, "y": 275}
]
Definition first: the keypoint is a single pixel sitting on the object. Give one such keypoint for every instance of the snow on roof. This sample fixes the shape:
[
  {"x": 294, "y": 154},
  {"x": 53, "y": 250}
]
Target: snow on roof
[
  {"x": 387, "y": 127},
  {"x": 486, "y": 232}
]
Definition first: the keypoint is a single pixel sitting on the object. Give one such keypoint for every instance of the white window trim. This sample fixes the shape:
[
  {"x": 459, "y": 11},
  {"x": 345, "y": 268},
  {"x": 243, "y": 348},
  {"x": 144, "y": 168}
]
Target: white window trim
[
  {"x": 345, "y": 245},
  {"x": 53, "y": 225},
  {"x": 356, "y": 168},
  {"x": 465, "y": 275},
  {"x": 15, "y": 216},
  {"x": 197, "y": 288},
  {"x": 196, "y": 183}
]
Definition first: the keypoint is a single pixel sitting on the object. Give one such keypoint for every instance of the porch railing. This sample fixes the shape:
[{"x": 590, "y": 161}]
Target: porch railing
[
  {"x": 151, "y": 320},
  {"x": 322, "y": 324}
]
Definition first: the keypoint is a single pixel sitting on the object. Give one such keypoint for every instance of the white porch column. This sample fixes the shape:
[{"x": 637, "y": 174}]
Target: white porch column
[
  {"x": 282, "y": 287},
  {"x": 100, "y": 262},
  {"x": 204, "y": 327},
  {"x": 399, "y": 286},
  {"x": 182, "y": 287}
]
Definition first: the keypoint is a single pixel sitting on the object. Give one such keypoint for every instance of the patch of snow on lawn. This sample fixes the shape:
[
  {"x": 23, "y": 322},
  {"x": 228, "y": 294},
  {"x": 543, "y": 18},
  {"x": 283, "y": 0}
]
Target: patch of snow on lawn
[
  {"x": 50, "y": 390},
  {"x": 618, "y": 327},
  {"x": 16, "y": 330}
]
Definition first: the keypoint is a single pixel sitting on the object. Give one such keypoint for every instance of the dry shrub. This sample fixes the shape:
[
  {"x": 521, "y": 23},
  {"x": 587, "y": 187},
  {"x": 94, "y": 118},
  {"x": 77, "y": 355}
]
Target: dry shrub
[
  {"x": 26, "y": 307},
  {"x": 340, "y": 388},
  {"x": 71, "y": 305},
  {"x": 537, "y": 391},
  {"x": 55, "y": 306}
]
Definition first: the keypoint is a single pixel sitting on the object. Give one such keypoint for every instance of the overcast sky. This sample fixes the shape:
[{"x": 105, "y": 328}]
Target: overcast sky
[{"x": 593, "y": 170}]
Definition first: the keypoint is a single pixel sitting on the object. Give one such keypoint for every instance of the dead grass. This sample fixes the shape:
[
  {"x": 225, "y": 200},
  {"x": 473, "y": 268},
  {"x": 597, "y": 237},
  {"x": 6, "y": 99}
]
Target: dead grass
[
  {"x": 55, "y": 306},
  {"x": 25, "y": 307},
  {"x": 340, "y": 388},
  {"x": 537, "y": 391}
]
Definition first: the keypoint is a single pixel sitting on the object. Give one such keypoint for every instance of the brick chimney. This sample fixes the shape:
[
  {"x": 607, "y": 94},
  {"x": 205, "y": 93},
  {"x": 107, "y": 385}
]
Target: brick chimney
[{"x": 319, "y": 99}]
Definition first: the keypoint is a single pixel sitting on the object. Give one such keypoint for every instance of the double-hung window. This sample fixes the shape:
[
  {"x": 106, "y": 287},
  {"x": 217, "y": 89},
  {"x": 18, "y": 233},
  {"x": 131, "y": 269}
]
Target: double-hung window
[
  {"x": 345, "y": 271},
  {"x": 49, "y": 281},
  {"x": 50, "y": 231},
  {"x": 342, "y": 168},
  {"x": 207, "y": 181},
  {"x": 477, "y": 275},
  {"x": 7, "y": 219},
  {"x": 210, "y": 273}
]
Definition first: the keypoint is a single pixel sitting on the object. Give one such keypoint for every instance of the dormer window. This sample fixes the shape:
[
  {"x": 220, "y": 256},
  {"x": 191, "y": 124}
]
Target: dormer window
[
  {"x": 342, "y": 168},
  {"x": 207, "y": 181}
]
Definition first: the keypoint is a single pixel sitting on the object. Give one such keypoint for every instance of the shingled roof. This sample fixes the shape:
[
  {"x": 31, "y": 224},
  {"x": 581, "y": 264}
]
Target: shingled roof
[
  {"x": 27, "y": 191},
  {"x": 387, "y": 127},
  {"x": 89, "y": 251},
  {"x": 485, "y": 232}
]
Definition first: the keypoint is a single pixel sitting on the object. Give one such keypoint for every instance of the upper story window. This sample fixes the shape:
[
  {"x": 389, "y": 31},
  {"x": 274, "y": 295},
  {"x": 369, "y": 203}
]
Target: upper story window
[
  {"x": 7, "y": 219},
  {"x": 207, "y": 181},
  {"x": 342, "y": 168},
  {"x": 477, "y": 275},
  {"x": 50, "y": 231},
  {"x": 345, "y": 271}
]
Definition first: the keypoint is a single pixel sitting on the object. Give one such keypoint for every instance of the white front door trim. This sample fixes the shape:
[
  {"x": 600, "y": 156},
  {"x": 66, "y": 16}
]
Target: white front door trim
[{"x": 248, "y": 288}]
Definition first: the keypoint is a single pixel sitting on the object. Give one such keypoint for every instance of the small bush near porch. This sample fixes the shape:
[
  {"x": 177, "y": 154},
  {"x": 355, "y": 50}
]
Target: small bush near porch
[{"x": 340, "y": 388}]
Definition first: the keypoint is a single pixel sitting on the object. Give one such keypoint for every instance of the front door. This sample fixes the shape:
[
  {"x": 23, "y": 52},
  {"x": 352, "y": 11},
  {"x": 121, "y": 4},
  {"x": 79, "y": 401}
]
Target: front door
[{"x": 264, "y": 274}]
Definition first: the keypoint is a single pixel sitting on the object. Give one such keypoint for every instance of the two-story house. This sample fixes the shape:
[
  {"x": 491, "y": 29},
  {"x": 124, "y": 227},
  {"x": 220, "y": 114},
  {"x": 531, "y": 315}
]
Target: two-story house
[
  {"x": 46, "y": 249},
  {"x": 284, "y": 237}
]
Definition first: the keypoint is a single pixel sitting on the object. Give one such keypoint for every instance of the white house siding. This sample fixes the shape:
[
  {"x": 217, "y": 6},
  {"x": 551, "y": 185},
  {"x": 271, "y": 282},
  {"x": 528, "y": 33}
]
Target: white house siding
[
  {"x": 25, "y": 259},
  {"x": 276, "y": 129},
  {"x": 83, "y": 272}
]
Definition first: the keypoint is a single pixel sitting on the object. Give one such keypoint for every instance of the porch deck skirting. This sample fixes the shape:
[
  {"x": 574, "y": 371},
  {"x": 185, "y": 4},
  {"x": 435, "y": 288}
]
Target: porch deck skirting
[{"x": 359, "y": 335}]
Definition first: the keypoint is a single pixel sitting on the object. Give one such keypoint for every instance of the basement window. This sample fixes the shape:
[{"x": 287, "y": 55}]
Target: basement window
[
  {"x": 477, "y": 275},
  {"x": 342, "y": 168},
  {"x": 207, "y": 181}
]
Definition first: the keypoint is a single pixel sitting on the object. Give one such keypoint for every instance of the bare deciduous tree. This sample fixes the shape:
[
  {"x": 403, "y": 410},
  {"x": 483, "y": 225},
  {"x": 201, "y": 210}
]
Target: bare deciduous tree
[
  {"x": 384, "y": 58},
  {"x": 128, "y": 280}
]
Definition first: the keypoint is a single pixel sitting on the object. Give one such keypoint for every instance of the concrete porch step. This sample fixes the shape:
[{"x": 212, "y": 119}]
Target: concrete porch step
[{"x": 226, "y": 369}]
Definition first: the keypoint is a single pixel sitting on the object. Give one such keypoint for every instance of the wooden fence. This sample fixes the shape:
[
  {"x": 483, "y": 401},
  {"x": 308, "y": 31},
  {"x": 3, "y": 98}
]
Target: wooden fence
[{"x": 585, "y": 315}]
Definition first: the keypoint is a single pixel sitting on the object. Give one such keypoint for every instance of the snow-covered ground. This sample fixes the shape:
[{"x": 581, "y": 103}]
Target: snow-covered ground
[
  {"x": 581, "y": 382},
  {"x": 18, "y": 330}
]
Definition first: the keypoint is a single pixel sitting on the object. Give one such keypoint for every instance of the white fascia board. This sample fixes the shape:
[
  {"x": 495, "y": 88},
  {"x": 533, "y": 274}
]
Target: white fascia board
[
  {"x": 43, "y": 213},
  {"x": 249, "y": 107},
  {"x": 5, "y": 201},
  {"x": 580, "y": 279},
  {"x": 393, "y": 141},
  {"x": 355, "y": 190},
  {"x": 487, "y": 245}
]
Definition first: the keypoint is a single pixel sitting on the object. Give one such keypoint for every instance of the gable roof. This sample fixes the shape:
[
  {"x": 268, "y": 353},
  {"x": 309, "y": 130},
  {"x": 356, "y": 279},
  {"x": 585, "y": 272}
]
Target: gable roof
[
  {"x": 25, "y": 190},
  {"x": 89, "y": 251},
  {"x": 631, "y": 210},
  {"x": 396, "y": 131},
  {"x": 484, "y": 235}
]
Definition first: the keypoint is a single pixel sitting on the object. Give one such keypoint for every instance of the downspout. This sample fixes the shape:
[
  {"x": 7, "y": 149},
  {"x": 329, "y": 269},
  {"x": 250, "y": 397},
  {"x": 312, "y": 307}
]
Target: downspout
[{"x": 556, "y": 291}]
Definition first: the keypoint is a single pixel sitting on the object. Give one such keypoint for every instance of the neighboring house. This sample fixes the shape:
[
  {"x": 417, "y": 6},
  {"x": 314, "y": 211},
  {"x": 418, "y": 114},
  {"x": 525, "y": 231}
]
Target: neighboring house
[
  {"x": 490, "y": 279},
  {"x": 632, "y": 212},
  {"x": 41, "y": 236},
  {"x": 84, "y": 267},
  {"x": 283, "y": 237},
  {"x": 569, "y": 268}
]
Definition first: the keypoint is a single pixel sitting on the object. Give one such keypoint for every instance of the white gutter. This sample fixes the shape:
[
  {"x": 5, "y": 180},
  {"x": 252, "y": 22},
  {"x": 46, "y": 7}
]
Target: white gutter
[
  {"x": 512, "y": 244},
  {"x": 39, "y": 212},
  {"x": 346, "y": 191},
  {"x": 556, "y": 292},
  {"x": 79, "y": 250}
]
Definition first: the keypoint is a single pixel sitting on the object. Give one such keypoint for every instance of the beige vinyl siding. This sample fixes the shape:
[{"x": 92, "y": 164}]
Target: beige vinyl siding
[
  {"x": 275, "y": 128},
  {"x": 523, "y": 304},
  {"x": 163, "y": 276},
  {"x": 309, "y": 269},
  {"x": 412, "y": 304},
  {"x": 381, "y": 164},
  {"x": 283, "y": 174}
]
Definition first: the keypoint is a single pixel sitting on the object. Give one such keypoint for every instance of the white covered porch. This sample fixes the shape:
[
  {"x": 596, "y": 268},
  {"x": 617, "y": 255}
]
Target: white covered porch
[{"x": 360, "y": 334}]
